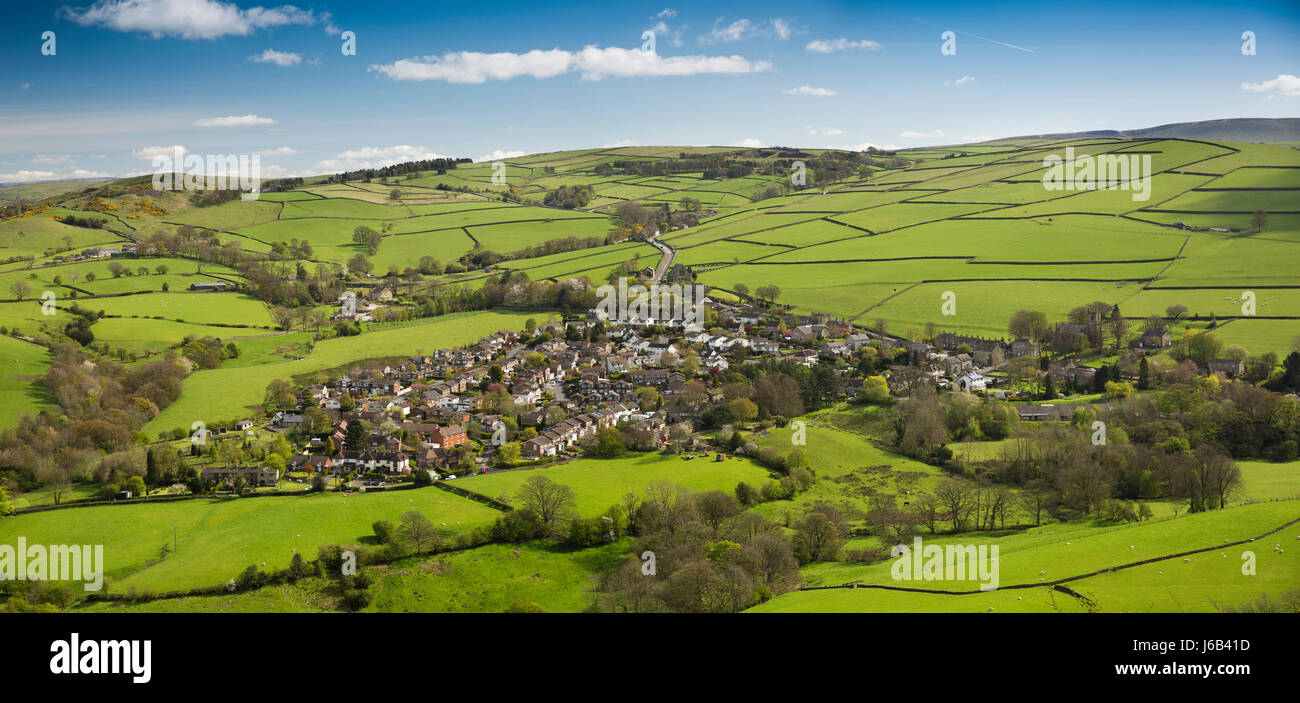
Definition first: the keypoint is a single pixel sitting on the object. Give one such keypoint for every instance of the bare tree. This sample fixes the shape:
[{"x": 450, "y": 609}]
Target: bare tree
[
  {"x": 956, "y": 498},
  {"x": 551, "y": 501},
  {"x": 418, "y": 531}
]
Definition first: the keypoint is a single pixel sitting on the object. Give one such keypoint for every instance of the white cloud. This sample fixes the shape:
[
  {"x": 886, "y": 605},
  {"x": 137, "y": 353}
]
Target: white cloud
[
  {"x": 828, "y": 131},
  {"x": 24, "y": 86},
  {"x": 375, "y": 157},
  {"x": 190, "y": 19},
  {"x": 51, "y": 159},
  {"x": 749, "y": 143},
  {"x": 1285, "y": 84},
  {"x": 147, "y": 153},
  {"x": 592, "y": 63},
  {"x": 27, "y": 176},
  {"x": 498, "y": 155},
  {"x": 279, "y": 58},
  {"x": 233, "y": 121},
  {"x": 980, "y": 138},
  {"x": 826, "y": 46},
  {"x": 811, "y": 91},
  {"x": 281, "y": 151},
  {"x": 722, "y": 33},
  {"x": 619, "y": 143},
  {"x": 666, "y": 13},
  {"x": 961, "y": 81},
  {"x": 33, "y": 176},
  {"x": 921, "y": 135}
]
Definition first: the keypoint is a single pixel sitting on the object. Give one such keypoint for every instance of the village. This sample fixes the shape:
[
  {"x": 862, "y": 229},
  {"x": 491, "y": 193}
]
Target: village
[{"x": 542, "y": 395}]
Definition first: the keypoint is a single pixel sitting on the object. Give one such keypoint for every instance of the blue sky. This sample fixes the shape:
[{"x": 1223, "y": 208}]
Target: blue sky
[{"x": 485, "y": 79}]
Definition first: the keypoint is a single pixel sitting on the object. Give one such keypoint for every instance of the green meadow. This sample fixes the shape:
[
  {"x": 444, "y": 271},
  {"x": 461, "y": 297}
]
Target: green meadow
[
  {"x": 216, "y": 539},
  {"x": 600, "y": 483}
]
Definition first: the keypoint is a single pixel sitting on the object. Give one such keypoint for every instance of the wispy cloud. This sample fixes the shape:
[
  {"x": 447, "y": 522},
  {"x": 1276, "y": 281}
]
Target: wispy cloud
[
  {"x": 190, "y": 19},
  {"x": 724, "y": 32},
  {"x": 921, "y": 135},
  {"x": 961, "y": 81},
  {"x": 233, "y": 121},
  {"x": 827, "y": 46},
  {"x": 279, "y": 58},
  {"x": 147, "y": 153},
  {"x": 591, "y": 63},
  {"x": 750, "y": 143},
  {"x": 810, "y": 91},
  {"x": 51, "y": 159},
  {"x": 280, "y": 151}
]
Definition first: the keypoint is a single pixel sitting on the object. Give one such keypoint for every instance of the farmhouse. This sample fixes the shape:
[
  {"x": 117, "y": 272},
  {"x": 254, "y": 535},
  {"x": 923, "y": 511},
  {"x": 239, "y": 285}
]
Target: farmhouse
[{"x": 252, "y": 475}]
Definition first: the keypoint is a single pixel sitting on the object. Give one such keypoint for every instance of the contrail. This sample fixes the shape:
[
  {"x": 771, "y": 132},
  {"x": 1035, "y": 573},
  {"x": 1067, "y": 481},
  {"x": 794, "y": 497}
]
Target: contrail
[{"x": 968, "y": 34}]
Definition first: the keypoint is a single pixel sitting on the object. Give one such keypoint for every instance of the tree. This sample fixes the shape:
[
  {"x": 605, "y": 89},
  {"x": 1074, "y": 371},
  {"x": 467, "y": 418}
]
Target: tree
[
  {"x": 417, "y": 531},
  {"x": 1030, "y": 324},
  {"x": 384, "y": 531},
  {"x": 1204, "y": 346},
  {"x": 956, "y": 499},
  {"x": 927, "y": 510},
  {"x": 360, "y": 264},
  {"x": 819, "y": 534},
  {"x": 1176, "y": 312},
  {"x": 1259, "y": 219},
  {"x": 609, "y": 442},
  {"x": 509, "y": 454},
  {"x": 279, "y": 396},
  {"x": 1118, "y": 328},
  {"x": 552, "y": 502},
  {"x": 395, "y": 194},
  {"x": 741, "y": 289},
  {"x": 715, "y": 507},
  {"x": 367, "y": 238},
  {"x": 20, "y": 289},
  {"x": 745, "y": 409}
]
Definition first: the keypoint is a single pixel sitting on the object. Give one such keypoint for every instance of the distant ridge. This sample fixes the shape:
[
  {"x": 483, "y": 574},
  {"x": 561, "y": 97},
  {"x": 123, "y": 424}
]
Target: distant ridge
[{"x": 1243, "y": 129}]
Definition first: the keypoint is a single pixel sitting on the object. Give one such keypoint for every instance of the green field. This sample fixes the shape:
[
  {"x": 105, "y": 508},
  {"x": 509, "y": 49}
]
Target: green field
[
  {"x": 600, "y": 483},
  {"x": 21, "y": 365},
  {"x": 219, "y": 538}
]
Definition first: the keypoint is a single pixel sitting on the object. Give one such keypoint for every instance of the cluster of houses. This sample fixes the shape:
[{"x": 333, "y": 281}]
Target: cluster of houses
[
  {"x": 563, "y": 389},
  {"x": 97, "y": 253}
]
